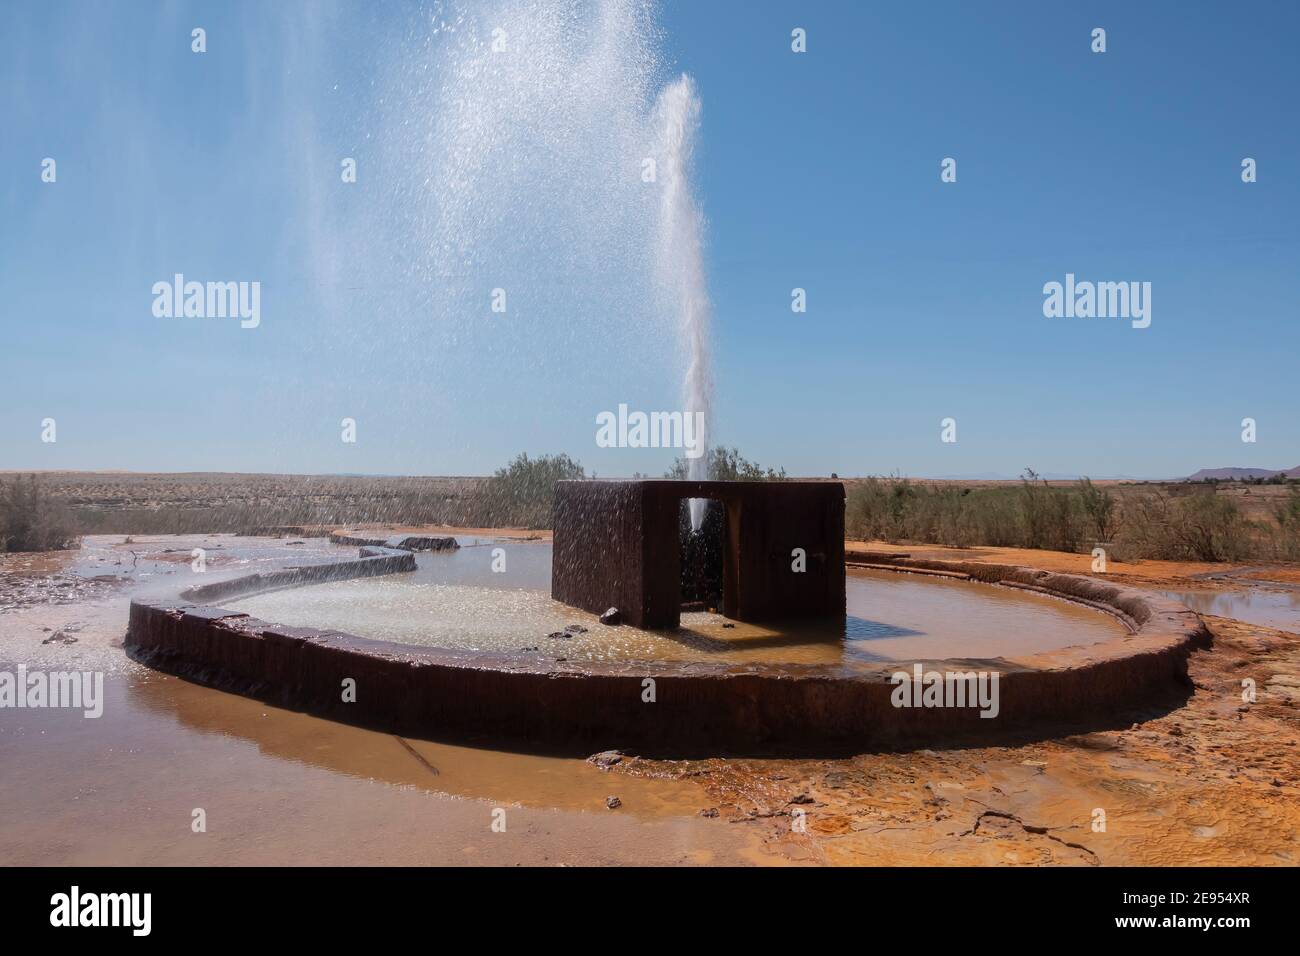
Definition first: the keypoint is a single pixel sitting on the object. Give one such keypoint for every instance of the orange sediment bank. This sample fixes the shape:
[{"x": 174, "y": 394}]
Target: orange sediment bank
[{"x": 1212, "y": 782}]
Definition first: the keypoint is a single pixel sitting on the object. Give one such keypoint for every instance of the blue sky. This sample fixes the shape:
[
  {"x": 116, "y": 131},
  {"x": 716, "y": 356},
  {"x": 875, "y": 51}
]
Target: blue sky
[{"x": 817, "y": 170}]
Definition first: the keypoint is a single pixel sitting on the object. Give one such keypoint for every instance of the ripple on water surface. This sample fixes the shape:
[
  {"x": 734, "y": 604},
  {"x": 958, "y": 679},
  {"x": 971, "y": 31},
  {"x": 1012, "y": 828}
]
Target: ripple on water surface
[{"x": 456, "y": 600}]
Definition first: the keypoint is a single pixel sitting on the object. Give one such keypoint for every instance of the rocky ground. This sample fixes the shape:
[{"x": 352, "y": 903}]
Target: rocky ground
[
  {"x": 30, "y": 580},
  {"x": 1216, "y": 781}
]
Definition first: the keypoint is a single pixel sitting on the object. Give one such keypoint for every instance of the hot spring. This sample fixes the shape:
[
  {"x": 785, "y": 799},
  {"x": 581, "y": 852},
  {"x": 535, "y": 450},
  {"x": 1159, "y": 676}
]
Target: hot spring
[
  {"x": 456, "y": 601},
  {"x": 526, "y": 253},
  {"x": 469, "y": 644}
]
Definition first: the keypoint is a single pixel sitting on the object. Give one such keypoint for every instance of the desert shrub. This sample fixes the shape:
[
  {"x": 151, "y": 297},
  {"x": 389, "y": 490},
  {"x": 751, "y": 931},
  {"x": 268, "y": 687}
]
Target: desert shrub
[
  {"x": 1031, "y": 515},
  {"x": 1286, "y": 534},
  {"x": 32, "y": 521},
  {"x": 1211, "y": 528},
  {"x": 1050, "y": 516},
  {"x": 899, "y": 510},
  {"x": 1098, "y": 507},
  {"x": 997, "y": 518},
  {"x": 519, "y": 495},
  {"x": 727, "y": 464},
  {"x": 1034, "y": 509},
  {"x": 1199, "y": 526},
  {"x": 866, "y": 509},
  {"x": 950, "y": 518},
  {"x": 1144, "y": 526}
]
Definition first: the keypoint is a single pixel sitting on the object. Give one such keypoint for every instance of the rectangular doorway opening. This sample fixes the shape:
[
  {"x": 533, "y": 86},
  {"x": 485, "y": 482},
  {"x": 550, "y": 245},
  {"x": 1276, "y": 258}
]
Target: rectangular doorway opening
[{"x": 703, "y": 555}]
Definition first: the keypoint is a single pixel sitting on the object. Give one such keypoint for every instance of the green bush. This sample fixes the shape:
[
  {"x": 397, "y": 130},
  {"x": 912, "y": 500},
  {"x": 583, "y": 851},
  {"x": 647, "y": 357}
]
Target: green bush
[
  {"x": 31, "y": 521},
  {"x": 519, "y": 495},
  {"x": 1201, "y": 526},
  {"x": 1286, "y": 536},
  {"x": 1098, "y": 507},
  {"x": 1157, "y": 524},
  {"x": 727, "y": 464}
]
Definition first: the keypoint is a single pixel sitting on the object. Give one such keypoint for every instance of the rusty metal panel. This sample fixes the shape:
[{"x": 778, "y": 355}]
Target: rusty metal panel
[{"x": 616, "y": 545}]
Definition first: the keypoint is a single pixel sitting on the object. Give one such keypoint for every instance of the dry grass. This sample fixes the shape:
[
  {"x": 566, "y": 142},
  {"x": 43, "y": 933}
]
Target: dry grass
[
  {"x": 31, "y": 519},
  {"x": 127, "y": 503},
  {"x": 1174, "y": 521}
]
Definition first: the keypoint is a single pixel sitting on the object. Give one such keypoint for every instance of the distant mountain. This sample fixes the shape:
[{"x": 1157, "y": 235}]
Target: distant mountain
[
  {"x": 1237, "y": 474},
  {"x": 1047, "y": 476}
]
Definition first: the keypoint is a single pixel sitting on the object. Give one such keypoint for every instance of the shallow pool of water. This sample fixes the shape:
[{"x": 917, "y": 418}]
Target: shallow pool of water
[
  {"x": 1280, "y": 609},
  {"x": 458, "y": 600}
]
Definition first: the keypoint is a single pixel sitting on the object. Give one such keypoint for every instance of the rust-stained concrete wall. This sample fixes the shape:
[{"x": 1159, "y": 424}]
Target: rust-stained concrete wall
[
  {"x": 616, "y": 545},
  {"x": 373, "y": 560},
  {"x": 700, "y": 707},
  {"x": 400, "y": 542}
]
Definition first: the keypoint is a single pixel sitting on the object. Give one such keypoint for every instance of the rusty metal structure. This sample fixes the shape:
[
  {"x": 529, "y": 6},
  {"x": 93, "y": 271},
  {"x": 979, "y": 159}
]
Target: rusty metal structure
[{"x": 617, "y": 544}]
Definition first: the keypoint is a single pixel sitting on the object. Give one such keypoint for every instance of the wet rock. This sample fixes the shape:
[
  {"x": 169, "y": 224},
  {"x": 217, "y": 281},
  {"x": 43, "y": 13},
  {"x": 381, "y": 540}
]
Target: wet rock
[
  {"x": 60, "y": 637},
  {"x": 1093, "y": 742},
  {"x": 613, "y": 803},
  {"x": 612, "y": 617},
  {"x": 839, "y": 779},
  {"x": 559, "y": 635},
  {"x": 606, "y": 758},
  {"x": 576, "y": 629},
  {"x": 802, "y": 798},
  {"x": 426, "y": 543}
]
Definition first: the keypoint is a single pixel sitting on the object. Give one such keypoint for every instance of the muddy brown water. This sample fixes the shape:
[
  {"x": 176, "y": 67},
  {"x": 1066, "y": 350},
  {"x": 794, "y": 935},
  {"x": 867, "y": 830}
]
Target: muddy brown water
[
  {"x": 279, "y": 787},
  {"x": 458, "y": 600},
  {"x": 1271, "y": 607}
]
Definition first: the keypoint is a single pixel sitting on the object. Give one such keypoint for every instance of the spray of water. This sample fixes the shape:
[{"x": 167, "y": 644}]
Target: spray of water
[
  {"x": 680, "y": 261},
  {"x": 512, "y": 140}
]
